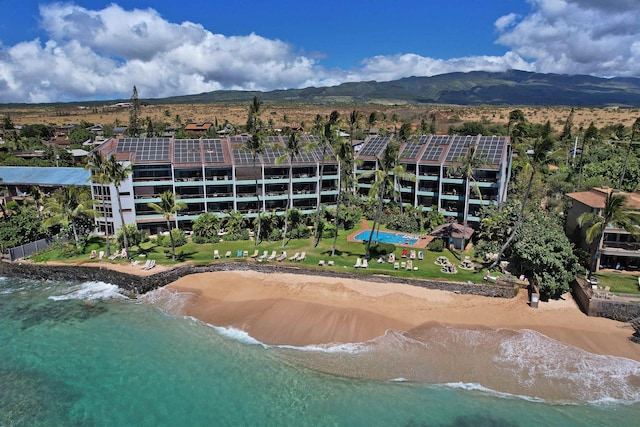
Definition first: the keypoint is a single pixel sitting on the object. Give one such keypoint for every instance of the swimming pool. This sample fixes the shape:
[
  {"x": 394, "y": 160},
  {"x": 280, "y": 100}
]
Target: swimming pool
[{"x": 389, "y": 237}]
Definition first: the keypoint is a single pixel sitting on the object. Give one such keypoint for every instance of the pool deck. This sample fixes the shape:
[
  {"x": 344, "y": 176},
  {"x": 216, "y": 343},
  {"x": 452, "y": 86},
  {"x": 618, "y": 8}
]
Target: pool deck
[{"x": 422, "y": 243}]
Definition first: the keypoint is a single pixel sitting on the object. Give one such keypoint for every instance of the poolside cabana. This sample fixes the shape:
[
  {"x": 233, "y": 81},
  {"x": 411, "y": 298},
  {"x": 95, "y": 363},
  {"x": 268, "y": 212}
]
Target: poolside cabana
[{"x": 452, "y": 233}]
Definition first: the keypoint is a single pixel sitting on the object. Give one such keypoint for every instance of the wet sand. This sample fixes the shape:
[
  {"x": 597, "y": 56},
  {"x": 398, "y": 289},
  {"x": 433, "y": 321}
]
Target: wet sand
[{"x": 302, "y": 310}]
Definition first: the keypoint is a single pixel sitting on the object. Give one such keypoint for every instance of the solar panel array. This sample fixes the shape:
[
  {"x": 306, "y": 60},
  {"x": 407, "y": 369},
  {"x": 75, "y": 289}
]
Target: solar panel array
[
  {"x": 459, "y": 148},
  {"x": 305, "y": 156},
  {"x": 187, "y": 151},
  {"x": 271, "y": 154},
  {"x": 146, "y": 149},
  {"x": 434, "y": 149},
  {"x": 213, "y": 151},
  {"x": 491, "y": 148},
  {"x": 374, "y": 146},
  {"x": 328, "y": 152},
  {"x": 242, "y": 156},
  {"x": 238, "y": 139},
  {"x": 410, "y": 150}
]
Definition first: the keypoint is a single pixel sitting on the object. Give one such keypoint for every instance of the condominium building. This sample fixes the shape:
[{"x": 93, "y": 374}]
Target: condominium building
[
  {"x": 619, "y": 249},
  {"x": 217, "y": 175},
  {"x": 432, "y": 159}
]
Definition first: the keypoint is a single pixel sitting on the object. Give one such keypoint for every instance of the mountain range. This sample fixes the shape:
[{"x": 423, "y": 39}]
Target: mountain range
[{"x": 473, "y": 88}]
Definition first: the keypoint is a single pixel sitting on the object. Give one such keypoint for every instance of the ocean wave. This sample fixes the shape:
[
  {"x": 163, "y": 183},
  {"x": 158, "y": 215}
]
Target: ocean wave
[
  {"x": 169, "y": 301},
  {"x": 89, "y": 291},
  {"x": 347, "y": 348},
  {"x": 236, "y": 335},
  {"x": 486, "y": 390}
]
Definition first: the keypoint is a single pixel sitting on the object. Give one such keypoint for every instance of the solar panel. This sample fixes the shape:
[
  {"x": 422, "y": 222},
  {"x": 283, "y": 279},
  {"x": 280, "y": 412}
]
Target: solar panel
[
  {"x": 305, "y": 156},
  {"x": 491, "y": 148},
  {"x": 242, "y": 156},
  {"x": 186, "y": 151},
  {"x": 213, "y": 151},
  {"x": 374, "y": 146},
  {"x": 271, "y": 154},
  {"x": 319, "y": 148},
  {"x": 146, "y": 149},
  {"x": 238, "y": 139},
  {"x": 459, "y": 148},
  {"x": 410, "y": 150},
  {"x": 434, "y": 148},
  {"x": 273, "y": 139}
]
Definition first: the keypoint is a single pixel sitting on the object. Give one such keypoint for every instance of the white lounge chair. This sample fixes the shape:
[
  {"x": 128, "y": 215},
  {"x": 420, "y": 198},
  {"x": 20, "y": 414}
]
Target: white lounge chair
[
  {"x": 302, "y": 257},
  {"x": 263, "y": 257},
  {"x": 93, "y": 254},
  {"x": 282, "y": 256},
  {"x": 101, "y": 255},
  {"x": 365, "y": 263},
  {"x": 358, "y": 263},
  {"x": 228, "y": 254},
  {"x": 145, "y": 265},
  {"x": 152, "y": 264},
  {"x": 295, "y": 257},
  {"x": 255, "y": 254},
  {"x": 216, "y": 254},
  {"x": 330, "y": 264},
  {"x": 272, "y": 256},
  {"x": 321, "y": 263},
  {"x": 115, "y": 255}
]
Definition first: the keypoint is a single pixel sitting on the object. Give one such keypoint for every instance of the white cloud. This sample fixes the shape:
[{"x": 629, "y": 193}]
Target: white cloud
[
  {"x": 98, "y": 54},
  {"x": 577, "y": 36}
]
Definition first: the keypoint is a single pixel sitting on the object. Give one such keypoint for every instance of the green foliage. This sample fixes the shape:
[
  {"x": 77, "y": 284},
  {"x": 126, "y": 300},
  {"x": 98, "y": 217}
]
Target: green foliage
[
  {"x": 205, "y": 228},
  {"x": 242, "y": 234},
  {"x": 39, "y": 131},
  {"x": 19, "y": 227},
  {"x": 179, "y": 239},
  {"x": 404, "y": 222},
  {"x": 436, "y": 245},
  {"x": 78, "y": 135},
  {"x": 300, "y": 232},
  {"x": 134, "y": 236},
  {"x": 544, "y": 251},
  {"x": 432, "y": 219}
]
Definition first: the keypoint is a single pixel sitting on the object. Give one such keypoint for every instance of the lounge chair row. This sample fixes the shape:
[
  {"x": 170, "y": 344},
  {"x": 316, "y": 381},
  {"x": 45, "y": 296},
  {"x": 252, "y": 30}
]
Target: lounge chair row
[
  {"x": 117, "y": 254},
  {"x": 148, "y": 265},
  {"x": 408, "y": 265}
]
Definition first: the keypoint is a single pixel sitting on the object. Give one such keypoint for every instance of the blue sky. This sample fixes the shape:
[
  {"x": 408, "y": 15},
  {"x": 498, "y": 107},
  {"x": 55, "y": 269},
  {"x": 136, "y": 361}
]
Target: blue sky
[{"x": 91, "y": 49}]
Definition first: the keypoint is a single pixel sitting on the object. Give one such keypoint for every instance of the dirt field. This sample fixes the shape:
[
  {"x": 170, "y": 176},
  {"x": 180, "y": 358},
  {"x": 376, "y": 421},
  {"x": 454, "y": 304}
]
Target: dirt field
[{"x": 283, "y": 115}]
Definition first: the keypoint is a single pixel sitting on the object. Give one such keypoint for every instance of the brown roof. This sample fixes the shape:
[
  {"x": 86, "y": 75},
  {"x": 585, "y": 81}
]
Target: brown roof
[
  {"x": 596, "y": 197},
  {"x": 452, "y": 229},
  {"x": 198, "y": 126}
]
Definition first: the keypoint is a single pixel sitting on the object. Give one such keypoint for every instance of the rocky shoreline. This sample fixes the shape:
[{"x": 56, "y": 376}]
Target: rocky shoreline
[{"x": 135, "y": 284}]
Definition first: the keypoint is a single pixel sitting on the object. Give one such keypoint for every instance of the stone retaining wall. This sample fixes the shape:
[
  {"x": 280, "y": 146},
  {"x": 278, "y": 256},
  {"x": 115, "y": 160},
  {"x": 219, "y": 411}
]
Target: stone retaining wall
[
  {"x": 622, "y": 311},
  {"x": 142, "y": 284}
]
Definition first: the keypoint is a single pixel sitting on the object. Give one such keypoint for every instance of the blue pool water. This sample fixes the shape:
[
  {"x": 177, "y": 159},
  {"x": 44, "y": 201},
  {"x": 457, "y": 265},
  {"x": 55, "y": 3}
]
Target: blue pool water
[{"x": 389, "y": 237}]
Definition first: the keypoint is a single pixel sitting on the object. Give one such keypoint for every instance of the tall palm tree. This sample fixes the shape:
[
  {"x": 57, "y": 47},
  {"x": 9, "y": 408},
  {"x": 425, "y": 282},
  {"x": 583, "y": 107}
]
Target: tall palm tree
[
  {"x": 388, "y": 169},
  {"x": 345, "y": 156},
  {"x": 635, "y": 130},
  {"x": 98, "y": 168},
  {"x": 467, "y": 168},
  {"x": 169, "y": 205},
  {"x": 616, "y": 213},
  {"x": 117, "y": 173},
  {"x": 292, "y": 149},
  {"x": 66, "y": 206},
  {"x": 541, "y": 149},
  {"x": 255, "y": 145}
]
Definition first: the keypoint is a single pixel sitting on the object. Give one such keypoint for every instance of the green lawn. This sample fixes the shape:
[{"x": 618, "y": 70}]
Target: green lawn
[
  {"x": 344, "y": 260},
  {"x": 619, "y": 282}
]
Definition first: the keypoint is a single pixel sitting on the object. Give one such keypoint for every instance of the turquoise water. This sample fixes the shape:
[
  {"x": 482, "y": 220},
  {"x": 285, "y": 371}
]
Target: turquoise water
[
  {"x": 81, "y": 354},
  {"x": 389, "y": 237}
]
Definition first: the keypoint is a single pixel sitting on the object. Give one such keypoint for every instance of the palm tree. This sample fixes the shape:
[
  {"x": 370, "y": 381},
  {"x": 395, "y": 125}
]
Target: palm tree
[
  {"x": 541, "y": 149},
  {"x": 388, "y": 170},
  {"x": 292, "y": 149},
  {"x": 168, "y": 207},
  {"x": 255, "y": 146},
  {"x": 98, "y": 167},
  {"x": 616, "y": 213},
  {"x": 635, "y": 129},
  {"x": 469, "y": 163},
  {"x": 116, "y": 174},
  {"x": 66, "y": 206},
  {"x": 515, "y": 116},
  {"x": 345, "y": 155}
]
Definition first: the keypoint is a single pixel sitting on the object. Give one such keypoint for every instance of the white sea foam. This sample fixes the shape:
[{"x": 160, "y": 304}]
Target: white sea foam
[
  {"x": 349, "y": 348},
  {"x": 89, "y": 291},
  {"x": 399, "y": 380},
  {"x": 483, "y": 389},
  {"x": 169, "y": 301},
  {"x": 236, "y": 335}
]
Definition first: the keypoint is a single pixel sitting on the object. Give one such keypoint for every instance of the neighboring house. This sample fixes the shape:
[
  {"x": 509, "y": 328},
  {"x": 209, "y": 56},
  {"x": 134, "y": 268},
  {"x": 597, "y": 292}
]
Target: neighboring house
[
  {"x": 202, "y": 127},
  {"x": 429, "y": 157},
  {"x": 18, "y": 180},
  {"x": 619, "y": 249},
  {"x": 215, "y": 175}
]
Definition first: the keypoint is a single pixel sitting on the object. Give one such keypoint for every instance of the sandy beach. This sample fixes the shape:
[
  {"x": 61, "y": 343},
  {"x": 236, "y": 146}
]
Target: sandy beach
[{"x": 302, "y": 310}]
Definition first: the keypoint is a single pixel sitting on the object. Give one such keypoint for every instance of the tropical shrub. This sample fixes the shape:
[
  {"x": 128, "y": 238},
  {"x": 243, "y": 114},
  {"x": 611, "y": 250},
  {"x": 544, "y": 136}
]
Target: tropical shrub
[
  {"x": 404, "y": 223},
  {"x": 436, "y": 245},
  {"x": 179, "y": 238}
]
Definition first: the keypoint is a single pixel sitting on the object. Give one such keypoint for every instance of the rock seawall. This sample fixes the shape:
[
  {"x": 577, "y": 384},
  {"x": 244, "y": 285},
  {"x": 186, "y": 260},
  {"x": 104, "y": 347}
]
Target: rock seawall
[{"x": 142, "y": 284}]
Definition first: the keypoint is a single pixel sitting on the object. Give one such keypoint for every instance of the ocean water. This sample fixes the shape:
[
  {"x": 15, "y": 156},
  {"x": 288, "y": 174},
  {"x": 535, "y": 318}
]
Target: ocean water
[{"x": 82, "y": 354}]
